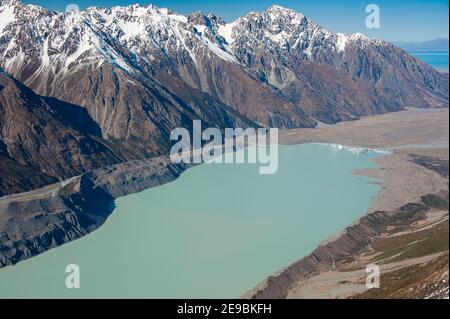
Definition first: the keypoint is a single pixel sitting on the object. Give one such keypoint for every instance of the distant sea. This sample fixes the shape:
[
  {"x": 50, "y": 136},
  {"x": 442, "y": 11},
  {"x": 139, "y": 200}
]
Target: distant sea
[{"x": 438, "y": 59}]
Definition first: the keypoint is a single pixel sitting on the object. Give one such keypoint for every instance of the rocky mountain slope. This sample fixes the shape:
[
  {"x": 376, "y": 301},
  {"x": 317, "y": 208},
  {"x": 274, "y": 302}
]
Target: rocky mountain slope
[
  {"x": 332, "y": 76},
  {"x": 111, "y": 57},
  {"x": 44, "y": 139},
  {"x": 40, "y": 141},
  {"x": 132, "y": 74},
  {"x": 269, "y": 66}
]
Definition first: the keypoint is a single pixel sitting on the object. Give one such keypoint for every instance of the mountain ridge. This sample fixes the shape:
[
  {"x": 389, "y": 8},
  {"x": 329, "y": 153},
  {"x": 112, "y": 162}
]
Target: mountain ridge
[{"x": 135, "y": 73}]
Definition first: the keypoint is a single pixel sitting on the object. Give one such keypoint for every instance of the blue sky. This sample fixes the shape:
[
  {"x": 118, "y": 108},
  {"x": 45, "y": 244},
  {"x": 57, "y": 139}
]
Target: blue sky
[{"x": 401, "y": 20}]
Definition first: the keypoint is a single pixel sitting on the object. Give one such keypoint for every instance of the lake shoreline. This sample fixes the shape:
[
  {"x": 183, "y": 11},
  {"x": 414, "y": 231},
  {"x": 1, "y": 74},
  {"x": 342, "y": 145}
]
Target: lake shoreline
[
  {"x": 82, "y": 204},
  {"x": 359, "y": 234},
  {"x": 75, "y": 210},
  {"x": 239, "y": 229},
  {"x": 124, "y": 173},
  {"x": 395, "y": 172}
]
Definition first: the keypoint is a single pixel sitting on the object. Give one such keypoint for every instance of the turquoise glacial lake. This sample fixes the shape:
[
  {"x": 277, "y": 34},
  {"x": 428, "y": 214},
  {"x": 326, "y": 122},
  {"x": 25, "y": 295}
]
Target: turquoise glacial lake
[{"x": 215, "y": 232}]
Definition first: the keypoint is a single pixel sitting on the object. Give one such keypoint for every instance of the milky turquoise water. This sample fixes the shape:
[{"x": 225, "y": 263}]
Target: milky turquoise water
[
  {"x": 438, "y": 60},
  {"x": 215, "y": 232}
]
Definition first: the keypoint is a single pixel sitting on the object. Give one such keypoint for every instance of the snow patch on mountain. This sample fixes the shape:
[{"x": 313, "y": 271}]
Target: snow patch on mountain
[
  {"x": 226, "y": 31},
  {"x": 224, "y": 55},
  {"x": 122, "y": 35},
  {"x": 7, "y": 15},
  {"x": 341, "y": 42}
]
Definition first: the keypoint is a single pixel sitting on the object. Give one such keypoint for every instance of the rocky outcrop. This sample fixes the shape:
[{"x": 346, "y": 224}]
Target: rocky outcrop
[{"x": 34, "y": 222}]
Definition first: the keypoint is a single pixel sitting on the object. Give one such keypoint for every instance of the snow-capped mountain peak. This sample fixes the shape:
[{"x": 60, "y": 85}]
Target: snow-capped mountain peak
[
  {"x": 276, "y": 12},
  {"x": 96, "y": 35},
  {"x": 64, "y": 41},
  {"x": 142, "y": 70},
  {"x": 44, "y": 47}
]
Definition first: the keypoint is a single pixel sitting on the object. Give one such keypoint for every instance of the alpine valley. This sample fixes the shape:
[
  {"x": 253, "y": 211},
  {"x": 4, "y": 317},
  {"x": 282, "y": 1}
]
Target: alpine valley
[
  {"x": 95, "y": 93},
  {"x": 103, "y": 86}
]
